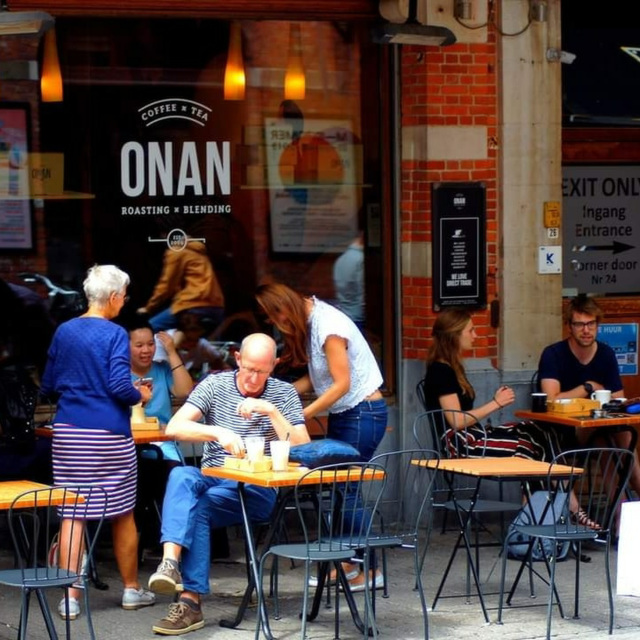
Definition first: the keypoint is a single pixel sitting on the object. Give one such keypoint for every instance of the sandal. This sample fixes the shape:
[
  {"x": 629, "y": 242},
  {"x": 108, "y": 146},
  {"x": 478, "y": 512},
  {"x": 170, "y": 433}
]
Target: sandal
[{"x": 581, "y": 518}]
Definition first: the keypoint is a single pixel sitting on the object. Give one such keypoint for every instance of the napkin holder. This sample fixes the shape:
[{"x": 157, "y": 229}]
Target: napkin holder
[
  {"x": 573, "y": 406},
  {"x": 243, "y": 464}
]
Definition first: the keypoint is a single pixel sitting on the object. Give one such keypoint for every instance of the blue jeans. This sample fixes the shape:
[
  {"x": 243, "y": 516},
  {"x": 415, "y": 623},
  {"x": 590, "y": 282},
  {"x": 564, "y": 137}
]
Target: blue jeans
[
  {"x": 167, "y": 320},
  {"x": 193, "y": 505},
  {"x": 363, "y": 426}
]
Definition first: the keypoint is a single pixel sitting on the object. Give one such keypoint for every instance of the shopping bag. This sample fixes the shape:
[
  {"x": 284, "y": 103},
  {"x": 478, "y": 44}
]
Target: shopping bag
[{"x": 629, "y": 550}]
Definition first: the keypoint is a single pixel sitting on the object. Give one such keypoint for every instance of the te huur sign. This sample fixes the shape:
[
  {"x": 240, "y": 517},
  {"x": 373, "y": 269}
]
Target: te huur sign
[{"x": 459, "y": 256}]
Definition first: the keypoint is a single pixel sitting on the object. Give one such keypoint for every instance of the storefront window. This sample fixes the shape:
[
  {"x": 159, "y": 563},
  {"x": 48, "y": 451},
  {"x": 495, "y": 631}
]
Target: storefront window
[{"x": 145, "y": 154}]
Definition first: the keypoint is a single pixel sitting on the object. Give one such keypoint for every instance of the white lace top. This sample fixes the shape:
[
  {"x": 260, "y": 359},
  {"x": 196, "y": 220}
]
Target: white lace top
[{"x": 325, "y": 321}]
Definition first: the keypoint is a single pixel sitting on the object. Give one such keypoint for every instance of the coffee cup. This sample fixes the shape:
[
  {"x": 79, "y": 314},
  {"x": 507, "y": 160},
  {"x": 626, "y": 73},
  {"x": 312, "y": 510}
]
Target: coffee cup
[
  {"x": 602, "y": 396},
  {"x": 280, "y": 455},
  {"x": 254, "y": 447},
  {"x": 539, "y": 402},
  {"x": 137, "y": 414}
]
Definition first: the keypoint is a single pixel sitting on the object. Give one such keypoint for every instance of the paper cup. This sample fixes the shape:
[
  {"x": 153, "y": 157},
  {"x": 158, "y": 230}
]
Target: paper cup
[
  {"x": 280, "y": 455},
  {"x": 255, "y": 448}
]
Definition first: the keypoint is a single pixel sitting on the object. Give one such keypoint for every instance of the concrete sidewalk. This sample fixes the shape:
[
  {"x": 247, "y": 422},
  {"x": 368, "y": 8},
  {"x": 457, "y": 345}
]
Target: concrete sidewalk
[{"x": 398, "y": 616}]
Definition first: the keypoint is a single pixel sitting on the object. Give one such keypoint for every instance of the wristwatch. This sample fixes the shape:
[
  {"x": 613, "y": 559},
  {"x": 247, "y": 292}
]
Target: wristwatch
[{"x": 588, "y": 387}]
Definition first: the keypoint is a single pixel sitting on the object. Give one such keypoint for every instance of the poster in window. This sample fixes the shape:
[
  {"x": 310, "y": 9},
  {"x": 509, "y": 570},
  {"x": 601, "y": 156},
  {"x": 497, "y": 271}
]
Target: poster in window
[
  {"x": 313, "y": 185},
  {"x": 16, "y": 230},
  {"x": 459, "y": 252}
]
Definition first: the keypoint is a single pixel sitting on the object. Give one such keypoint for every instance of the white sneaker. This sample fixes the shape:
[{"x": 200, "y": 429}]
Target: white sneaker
[
  {"x": 354, "y": 573},
  {"x": 136, "y": 598},
  {"x": 74, "y": 608},
  {"x": 357, "y": 583}
]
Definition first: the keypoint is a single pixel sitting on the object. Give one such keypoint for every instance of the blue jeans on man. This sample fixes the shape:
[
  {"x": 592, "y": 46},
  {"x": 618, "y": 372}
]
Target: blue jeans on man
[{"x": 193, "y": 505}]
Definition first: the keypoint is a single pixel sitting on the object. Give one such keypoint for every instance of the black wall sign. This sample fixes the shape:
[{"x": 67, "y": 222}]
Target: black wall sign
[{"x": 459, "y": 251}]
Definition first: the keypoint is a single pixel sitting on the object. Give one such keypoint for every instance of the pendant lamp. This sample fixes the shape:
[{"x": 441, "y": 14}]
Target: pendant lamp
[
  {"x": 234, "y": 78},
  {"x": 294, "y": 80},
  {"x": 51, "y": 79}
]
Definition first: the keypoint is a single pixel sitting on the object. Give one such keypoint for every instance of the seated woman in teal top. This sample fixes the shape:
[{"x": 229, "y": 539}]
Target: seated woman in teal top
[{"x": 169, "y": 378}]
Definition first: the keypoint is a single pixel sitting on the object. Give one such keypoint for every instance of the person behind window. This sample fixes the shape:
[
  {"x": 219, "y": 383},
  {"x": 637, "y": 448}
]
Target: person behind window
[
  {"x": 342, "y": 371},
  {"x": 187, "y": 283},
  {"x": 198, "y": 354},
  {"x": 88, "y": 369},
  {"x": 348, "y": 280}
]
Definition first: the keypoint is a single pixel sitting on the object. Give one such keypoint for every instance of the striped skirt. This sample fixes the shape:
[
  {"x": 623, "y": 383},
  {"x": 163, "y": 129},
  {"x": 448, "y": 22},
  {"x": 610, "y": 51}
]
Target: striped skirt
[{"x": 96, "y": 457}]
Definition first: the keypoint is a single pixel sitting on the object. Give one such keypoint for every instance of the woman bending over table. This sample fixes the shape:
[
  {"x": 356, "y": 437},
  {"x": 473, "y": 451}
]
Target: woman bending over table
[
  {"x": 342, "y": 371},
  {"x": 88, "y": 371}
]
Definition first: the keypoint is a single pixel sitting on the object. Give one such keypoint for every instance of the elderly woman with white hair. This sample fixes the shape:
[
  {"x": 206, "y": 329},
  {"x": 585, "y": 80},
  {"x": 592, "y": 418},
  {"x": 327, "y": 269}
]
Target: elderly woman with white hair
[{"x": 88, "y": 373}]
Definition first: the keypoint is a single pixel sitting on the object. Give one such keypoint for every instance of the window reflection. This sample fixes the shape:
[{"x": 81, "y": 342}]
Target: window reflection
[{"x": 276, "y": 189}]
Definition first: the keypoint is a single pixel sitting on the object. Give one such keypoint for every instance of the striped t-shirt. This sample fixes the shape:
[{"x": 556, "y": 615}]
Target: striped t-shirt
[{"x": 217, "y": 397}]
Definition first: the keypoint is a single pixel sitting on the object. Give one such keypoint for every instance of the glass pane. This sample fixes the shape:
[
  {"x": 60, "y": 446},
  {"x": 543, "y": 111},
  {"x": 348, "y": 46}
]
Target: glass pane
[{"x": 276, "y": 185}]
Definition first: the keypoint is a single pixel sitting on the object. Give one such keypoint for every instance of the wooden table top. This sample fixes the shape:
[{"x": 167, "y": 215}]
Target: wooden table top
[
  {"x": 287, "y": 478},
  {"x": 10, "y": 489},
  {"x": 140, "y": 436},
  {"x": 492, "y": 467},
  {"x": 581, "y": 422}
]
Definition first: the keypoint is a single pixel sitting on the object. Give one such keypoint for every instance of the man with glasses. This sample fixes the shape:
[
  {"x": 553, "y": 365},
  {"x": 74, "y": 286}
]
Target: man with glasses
[
  {"x": 581, "y": 364},
  {"x": 577, "y": 366},
  {"x": 222, "y": 410}
]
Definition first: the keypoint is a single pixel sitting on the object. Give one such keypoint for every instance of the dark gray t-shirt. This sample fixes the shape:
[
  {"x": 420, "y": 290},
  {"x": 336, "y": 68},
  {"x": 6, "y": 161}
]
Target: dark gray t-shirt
[{"x": 558, "y": 363}]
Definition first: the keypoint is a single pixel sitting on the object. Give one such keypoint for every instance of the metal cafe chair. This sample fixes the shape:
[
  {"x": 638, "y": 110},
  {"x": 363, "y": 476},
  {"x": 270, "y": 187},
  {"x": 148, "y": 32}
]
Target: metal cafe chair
[
  {"x": 598, "y": 478},
  {"x": 32, "y": 528},
  {"x": 331, "y": 533},
  {"x": 430, "y": 431},
  {"x": 405, "y": 510}
]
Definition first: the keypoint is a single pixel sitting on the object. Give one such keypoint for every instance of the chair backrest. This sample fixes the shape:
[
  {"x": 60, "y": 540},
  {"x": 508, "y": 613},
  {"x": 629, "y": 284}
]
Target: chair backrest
[
  {"x": 344, "y": 499},
  {"x": 598, "y": 478},
  {"x": 34, "y": 520},
  {"x": 404, "y": 506},
  {"x": 421, "y": 395},
  {"x": 535, "y": 382},
  {"x": 447, "y": 431}
]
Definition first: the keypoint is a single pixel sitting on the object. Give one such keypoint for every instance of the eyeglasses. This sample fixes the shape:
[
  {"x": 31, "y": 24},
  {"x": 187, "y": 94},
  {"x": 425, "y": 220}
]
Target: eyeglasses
[
  {"x": 257, "y": 372},
  {"x": 584, "y": 325}
]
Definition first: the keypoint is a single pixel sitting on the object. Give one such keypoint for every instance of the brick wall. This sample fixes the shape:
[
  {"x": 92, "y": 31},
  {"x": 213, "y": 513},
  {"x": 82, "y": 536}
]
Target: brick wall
[{"x": 447, "y": 86}]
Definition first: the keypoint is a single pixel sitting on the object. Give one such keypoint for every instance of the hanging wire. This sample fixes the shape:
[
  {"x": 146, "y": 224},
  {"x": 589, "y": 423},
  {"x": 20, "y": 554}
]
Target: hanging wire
[{"x": 491, "y": 22}]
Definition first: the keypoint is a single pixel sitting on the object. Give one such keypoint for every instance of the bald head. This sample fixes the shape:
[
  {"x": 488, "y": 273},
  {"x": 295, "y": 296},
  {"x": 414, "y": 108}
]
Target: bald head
[
  {"x": 256, "y": 360},
  {"x": 257, "y": 345}
]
